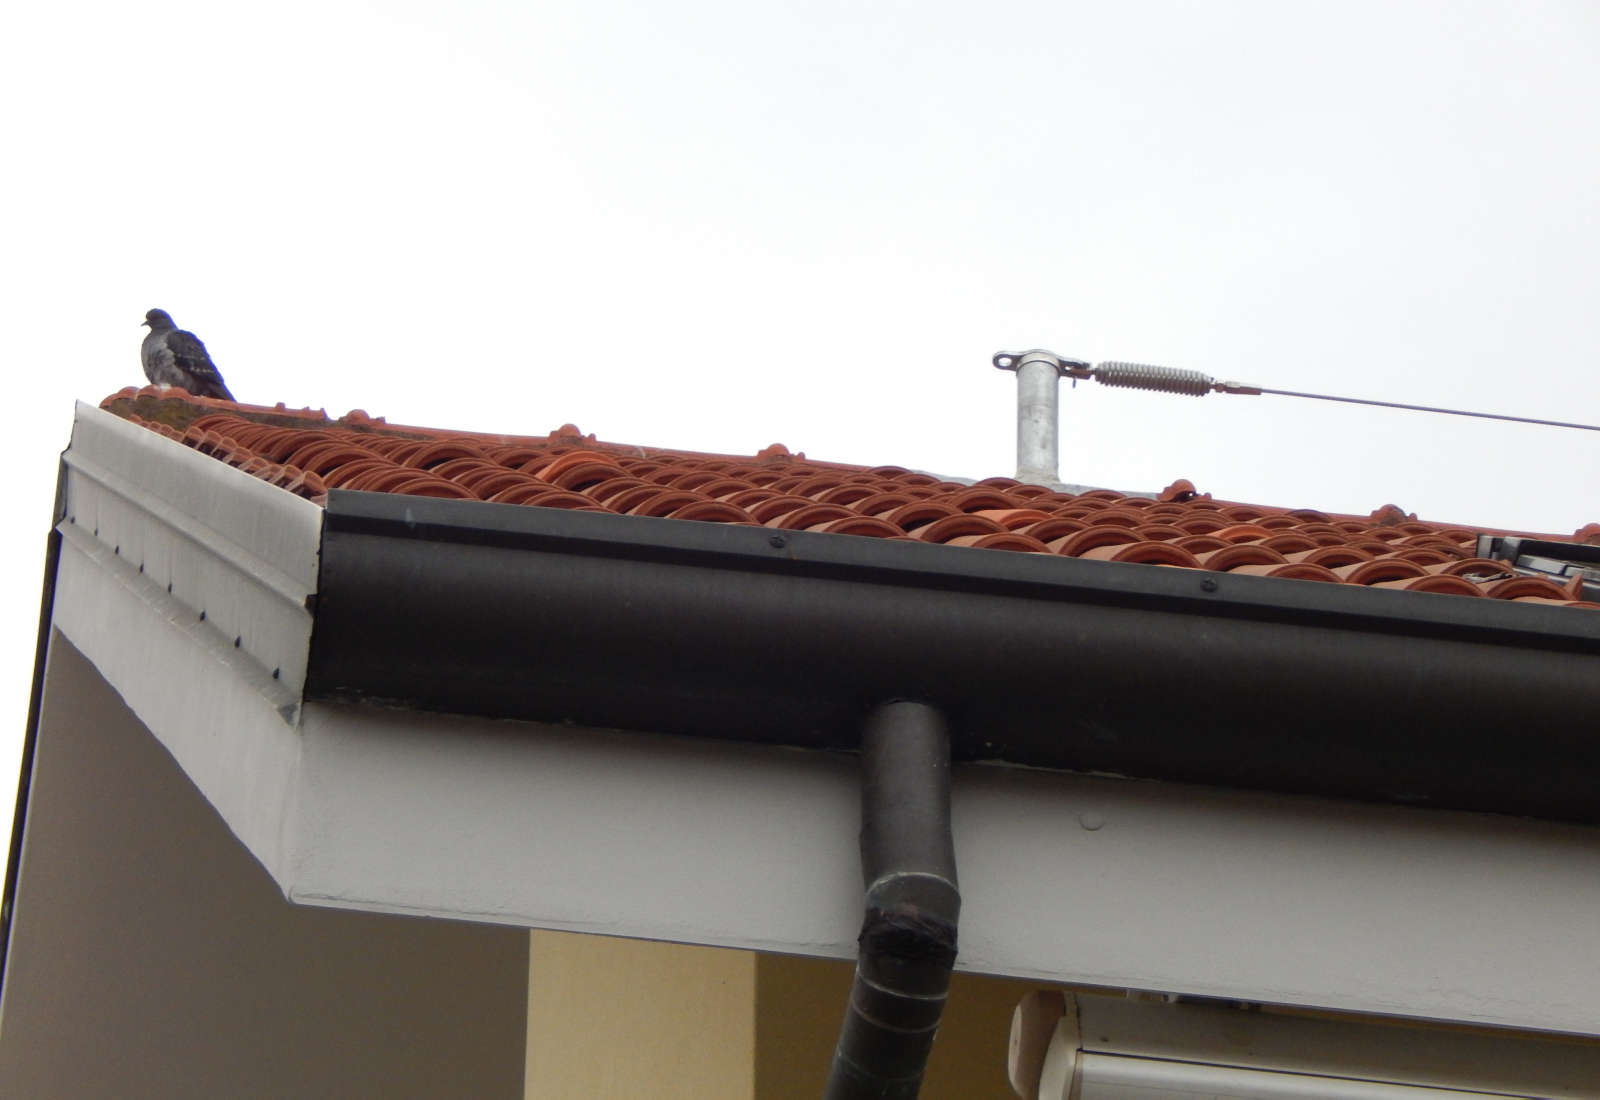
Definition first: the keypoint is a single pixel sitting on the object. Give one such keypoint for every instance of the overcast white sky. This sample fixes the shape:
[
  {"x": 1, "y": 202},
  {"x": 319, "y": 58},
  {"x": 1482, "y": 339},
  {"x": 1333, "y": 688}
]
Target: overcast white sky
[{"x": 716, "y": 225}]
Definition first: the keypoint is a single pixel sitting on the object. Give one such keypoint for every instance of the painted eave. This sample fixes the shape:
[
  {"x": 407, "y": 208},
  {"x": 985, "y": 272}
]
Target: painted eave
[{"x": 1067, "y": 878}]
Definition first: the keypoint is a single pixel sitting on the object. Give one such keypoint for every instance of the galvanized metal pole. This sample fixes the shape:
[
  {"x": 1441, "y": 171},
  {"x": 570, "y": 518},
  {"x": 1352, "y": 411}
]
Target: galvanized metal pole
[{"x": 1038, "y": 418}]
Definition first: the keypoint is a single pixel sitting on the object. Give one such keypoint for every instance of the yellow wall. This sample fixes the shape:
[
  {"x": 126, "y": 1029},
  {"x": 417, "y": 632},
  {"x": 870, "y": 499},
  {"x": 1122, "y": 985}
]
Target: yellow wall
[
  {"x": 617, "y": 1018},
  {"x": 632, "y": 1018}
]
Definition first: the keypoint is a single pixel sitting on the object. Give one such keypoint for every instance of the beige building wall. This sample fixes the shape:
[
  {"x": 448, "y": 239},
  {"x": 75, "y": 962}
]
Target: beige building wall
[
  {"x": 150, "y": 956},
  {"x": 610, "y": 1017}
]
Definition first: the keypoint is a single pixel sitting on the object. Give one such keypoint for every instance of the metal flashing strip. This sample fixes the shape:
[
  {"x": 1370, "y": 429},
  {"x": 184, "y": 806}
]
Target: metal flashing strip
[
  {"x": 240, "y": 553},
  {"x": 787, "y": 637}
]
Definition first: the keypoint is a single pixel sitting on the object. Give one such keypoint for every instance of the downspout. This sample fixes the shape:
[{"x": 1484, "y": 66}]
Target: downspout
[{"x": 913, "y": 904}]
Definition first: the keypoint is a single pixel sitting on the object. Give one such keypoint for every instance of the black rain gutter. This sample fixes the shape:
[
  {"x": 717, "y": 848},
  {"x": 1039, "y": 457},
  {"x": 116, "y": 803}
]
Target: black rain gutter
[
  {"x": 913, "y": 904},
  {"x": 791, "y": 638}
]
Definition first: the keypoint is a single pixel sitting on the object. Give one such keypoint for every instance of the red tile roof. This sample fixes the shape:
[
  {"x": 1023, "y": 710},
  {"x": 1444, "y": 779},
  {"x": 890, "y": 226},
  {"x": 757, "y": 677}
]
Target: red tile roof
[{"x": 307, "y": 453}]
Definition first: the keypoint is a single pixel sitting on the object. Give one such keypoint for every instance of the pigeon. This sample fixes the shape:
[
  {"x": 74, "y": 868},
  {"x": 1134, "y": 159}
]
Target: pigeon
[{"x": 173, "y": 357}]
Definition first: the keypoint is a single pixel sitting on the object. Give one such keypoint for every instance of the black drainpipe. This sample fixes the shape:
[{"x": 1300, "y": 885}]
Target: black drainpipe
[{"x": 908, "y": 936}]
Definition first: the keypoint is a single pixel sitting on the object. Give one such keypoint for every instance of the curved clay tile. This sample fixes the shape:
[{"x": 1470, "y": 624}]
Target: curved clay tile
[
  {"x": 1054, "y": 527},
  {"x": 406, "y": 450},
  {"x": 1100, "y": 494},
  {"x": 1033, "y": 493},
  {"x": 696, "y": 480},
  {"x": 909, "y": 478},
  {"x": 280, "y": 443},
  {"x": 1331, "y": 557},
  {"x": 580, "y": 475},
  {"x": 1013, "y": 519},
  {"x": 1004, "y": 484},
  {"x": 849, "y": 493},
  {"x": 552, "y": 469},
  {"x": 1243, "y": 513},
  {"x": 1243, "y": 532},
  {"x": 775, "y": 507},
  {"x": 1092, "y": 538},
  {"x": 455, "y": 468},
  {"x": 430, "y": 455},
  {"x": 1380, "y": 569},
  {"x": 514, "y": 454},
  {"x": 1200, "y": 524},
  {"x": 607, "y": 491},
  {"x": 1438, "y": 583},
  {"x": 322, "y": 457},
  {"x": 1422, "y": 555},
  {"x": 956, "y": 526},
  {"x": 1516, "y": 588},
  {"x": 724, "y": 487},
  {"x": 1481, "y": 569},
  {"x": 1158, "y": 532},
  {"x": 712, "y": 511},
  {"x": 886, "y": 471},
  {"x": 1372, "y": 546},
  {"x": 341, "y": 477},
  {"x": 1452, "y": 549},
  {"x": 809, "y": 516},
  {"x": 665, "y": 502},
  {"x": 786, "y": 482},
  {"x": 818, "y": 484},
  {"x": 1278, "y": 523},
  {"x": 1200, "y": 544},
  {"x": 1001, "y": 540},
  {"x": 664, "y": 475},
  {"x": 1240, "y": 553},
  {"x": 561, "y": 498},
  {"x": 1300, "y": 571},
  {"x": 385, "y": 479},
  {"x": 880, "y": 504},
  {"x": 1114, "y": 517},
  {"x": 976, "y": 499},
  {"x": 522, "y": 492},
  {"x": 762, "y": 477},
  {"x": 1289, "y": 542},
  {"x": 749, "y": 496},
  {"x": 1308, "y": 515},
  {"x": 486, "y": 486},
  {"x": 1144, "y": 553},
  {"x": 432, "y": 487},
  {"x": 1587, "y": 535},
  {"x": 909, "y": 517},
  {"x": 861, "y": 525}
]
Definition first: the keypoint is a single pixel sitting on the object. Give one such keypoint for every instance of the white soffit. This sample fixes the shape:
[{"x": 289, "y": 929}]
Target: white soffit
[{"x": 1066, "y": 878}]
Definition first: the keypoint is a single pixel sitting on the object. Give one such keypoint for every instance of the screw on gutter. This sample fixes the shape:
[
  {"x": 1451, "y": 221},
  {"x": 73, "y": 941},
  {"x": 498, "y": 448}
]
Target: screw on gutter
[
  {"x": 778, "y": 542},
  {"x": 1208, "y": 584}
]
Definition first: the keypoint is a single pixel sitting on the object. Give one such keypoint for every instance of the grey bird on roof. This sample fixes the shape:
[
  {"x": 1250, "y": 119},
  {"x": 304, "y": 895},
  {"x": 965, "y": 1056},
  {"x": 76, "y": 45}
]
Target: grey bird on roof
[{"x": 173, "y": 357}]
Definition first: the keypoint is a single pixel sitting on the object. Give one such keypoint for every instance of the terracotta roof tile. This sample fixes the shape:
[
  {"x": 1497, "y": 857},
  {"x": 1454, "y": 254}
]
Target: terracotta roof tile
[{"x": 307, "y": 453}]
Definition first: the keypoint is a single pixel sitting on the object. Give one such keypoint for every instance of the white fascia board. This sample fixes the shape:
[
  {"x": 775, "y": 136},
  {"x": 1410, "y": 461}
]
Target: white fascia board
[
  {"x": 200, "y": 625},
  {"x": 1067, "y": 879}
]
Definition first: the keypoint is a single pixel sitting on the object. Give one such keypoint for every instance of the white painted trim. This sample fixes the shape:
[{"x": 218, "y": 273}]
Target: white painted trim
[
  {"x": 249, "y": 564},
  {"x": 229, "y": 725},
  {"x": 1068, "y": 879}
]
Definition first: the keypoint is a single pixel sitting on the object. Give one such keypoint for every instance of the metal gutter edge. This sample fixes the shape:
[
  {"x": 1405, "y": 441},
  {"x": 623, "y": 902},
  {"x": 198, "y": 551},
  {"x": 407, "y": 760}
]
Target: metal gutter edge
[
  {"x": 30, "y": 737},
  {"x": 789, "y": 638}
]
